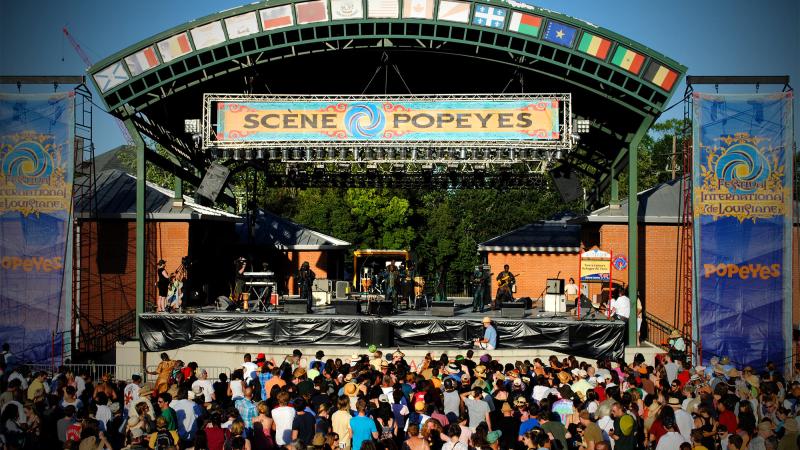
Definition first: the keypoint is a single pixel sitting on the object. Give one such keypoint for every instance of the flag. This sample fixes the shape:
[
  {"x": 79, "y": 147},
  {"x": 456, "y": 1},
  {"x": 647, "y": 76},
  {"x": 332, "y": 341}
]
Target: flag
[
  {"x": 559, "y": 33},
  {"x": 241, "y": 25},
  {"x": 208, "y": 35},
  {"x": 111, "y": 76},
  {"x": 277, "y": 17},
  {"x": 628, "y": 60},
  {"x": 418, "y": 9},
  {"x": 311, "y": 12},
  {"x": 379, "y": 9},
  {"x": 661, "y": 76},
  {"x": 490, "y": 16},
  {"x": 174, "y": 47},
  {"x": 525, "y": 24},
  {"x": 594, "y": 45},
  {"x": 346, "y": 9},
  {"x": 454, "y": 11},
  {"x": 142, "y": 61}
]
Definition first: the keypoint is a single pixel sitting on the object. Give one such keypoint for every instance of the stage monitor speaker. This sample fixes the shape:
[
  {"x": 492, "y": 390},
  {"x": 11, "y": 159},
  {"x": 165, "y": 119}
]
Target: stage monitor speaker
[
  {"x": 376, "y": 332},
  {"x": 554, "y": 303},
  {"x": 567, "y": 183},
  {"x": 555, "y": 286},
  {"x": 214, "y": 181},
  {"x": 341, "y": 289}
]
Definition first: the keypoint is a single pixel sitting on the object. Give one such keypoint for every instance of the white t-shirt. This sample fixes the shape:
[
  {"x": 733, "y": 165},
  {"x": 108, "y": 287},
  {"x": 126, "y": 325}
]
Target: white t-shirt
[
  {"x": 685, "y": 424},
  {"x": 23, "y": 383},
  {"x": 103, "y": 416},
  {"x": 208, "y": 389},
  {"x": 283, "y": 416},
  {"x": 571, "y": 289},
  {"x": 249, "y": 369},
  {"x": 131, "y": 394},
  {"x": 671, "y": 441},
  {"x": 622, "y": 306},
  {"x": 540, "y": 392}
]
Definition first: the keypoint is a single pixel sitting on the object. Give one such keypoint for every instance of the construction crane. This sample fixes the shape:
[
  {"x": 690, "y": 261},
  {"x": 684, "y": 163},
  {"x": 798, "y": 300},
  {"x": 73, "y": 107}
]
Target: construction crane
[{"x": 85, "y": 58}]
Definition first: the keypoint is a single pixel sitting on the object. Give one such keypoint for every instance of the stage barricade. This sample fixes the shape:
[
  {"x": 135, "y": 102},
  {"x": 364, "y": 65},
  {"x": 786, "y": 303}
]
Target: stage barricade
[{"x": 588, "y": 338}]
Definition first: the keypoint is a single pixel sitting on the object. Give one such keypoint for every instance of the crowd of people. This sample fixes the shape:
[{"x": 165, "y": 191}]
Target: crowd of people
[{"x": 373, "y": 402}]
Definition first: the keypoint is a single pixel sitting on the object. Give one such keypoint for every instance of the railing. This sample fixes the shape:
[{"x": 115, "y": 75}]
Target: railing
[
  {"x": 658, "y": 331},
  {"x": 120, "y": 371},
  {"x": 101, "y": 337}
]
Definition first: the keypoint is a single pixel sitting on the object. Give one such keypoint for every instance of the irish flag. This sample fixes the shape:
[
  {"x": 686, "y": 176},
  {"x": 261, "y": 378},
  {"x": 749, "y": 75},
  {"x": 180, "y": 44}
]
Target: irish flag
[
  {"x": 525, "y": 24},
  {"x": 628, "y": 60},
  {"x": 594, "y": 45},
  {"x": 661, "y": 76}
]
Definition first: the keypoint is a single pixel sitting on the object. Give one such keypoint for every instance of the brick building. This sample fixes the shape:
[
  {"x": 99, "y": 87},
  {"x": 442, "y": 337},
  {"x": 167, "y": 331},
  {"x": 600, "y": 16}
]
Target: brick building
[
  {"x": 534, "y": 253},
  {"x": 284, "y": 245},
  {"x": 607, "y": 228},
  {"x": 104, "y": 292}
]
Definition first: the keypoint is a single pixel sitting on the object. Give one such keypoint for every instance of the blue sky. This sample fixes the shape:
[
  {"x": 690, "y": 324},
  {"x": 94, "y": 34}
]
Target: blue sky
[{"x": 711, "y": 37}]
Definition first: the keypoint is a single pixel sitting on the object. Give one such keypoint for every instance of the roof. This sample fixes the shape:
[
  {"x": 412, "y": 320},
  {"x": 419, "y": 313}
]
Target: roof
[
  {"x": 661, "y": 204},
  {"x": 116, "y": 199},
  {"x": 538, "y": 237},
  {"x": 110, "y": 160},
  {"x": 270, "y": 229}
]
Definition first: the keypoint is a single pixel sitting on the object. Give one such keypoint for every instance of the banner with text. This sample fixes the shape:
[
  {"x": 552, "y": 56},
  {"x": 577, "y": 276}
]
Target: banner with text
[
  {"x": 742, "y": 183},
  {"x": 36, "y": 169},
  {"x": 370, "y": 120}
]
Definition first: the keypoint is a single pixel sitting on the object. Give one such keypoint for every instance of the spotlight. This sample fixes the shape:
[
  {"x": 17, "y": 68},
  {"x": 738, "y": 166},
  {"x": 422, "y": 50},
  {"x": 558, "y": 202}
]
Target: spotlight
[
  {"x": 260, "y": 153},
  {"x": 582, "y": 126},
  {"x": 191, "y": 126}
]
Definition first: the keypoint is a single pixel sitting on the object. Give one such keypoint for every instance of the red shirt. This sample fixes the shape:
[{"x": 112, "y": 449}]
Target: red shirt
[
  {"x": 728, "y": 418},
  {"x": 683, "y": 377},
  {"x": 601, "y": 393},
  {"x": 216, "y": 438},
  {"x": 657, "y": 430}
]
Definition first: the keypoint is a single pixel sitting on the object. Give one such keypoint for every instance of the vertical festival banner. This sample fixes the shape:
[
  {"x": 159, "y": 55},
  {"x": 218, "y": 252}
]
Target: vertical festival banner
[
  {"x": 742, "y": 183},
  {"x": 36, "y": 170}
]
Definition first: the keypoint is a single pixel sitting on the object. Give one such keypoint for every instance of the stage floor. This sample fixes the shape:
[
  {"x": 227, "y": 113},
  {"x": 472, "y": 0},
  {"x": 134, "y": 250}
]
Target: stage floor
[{"x": 562, "y": 332}]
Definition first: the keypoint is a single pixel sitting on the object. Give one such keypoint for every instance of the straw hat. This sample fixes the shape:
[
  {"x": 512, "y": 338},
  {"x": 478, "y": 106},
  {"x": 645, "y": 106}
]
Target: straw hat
[
  {"x": 733, "y": 373},
  {"x": 486, "y": 319},
  {"x": 564, "y": 377},
  {"x": 419, "y": 406},
  {"x": 480, "y": 371},
  {"x": 398, "y": 354},
  {"x": 319, "y": 440},
  {"x": 350, "y": 389},
  {"x": 675, "y": 334},
  {"x": 725, "y": 360}
]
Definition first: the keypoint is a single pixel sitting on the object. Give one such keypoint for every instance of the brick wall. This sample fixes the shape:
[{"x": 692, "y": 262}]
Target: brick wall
[
  {"x": 108, "y": 265},
  {"x": 318, "y": 260},
  {"x": 534, "y": 269},
  {"x": 658, "y": 265}
]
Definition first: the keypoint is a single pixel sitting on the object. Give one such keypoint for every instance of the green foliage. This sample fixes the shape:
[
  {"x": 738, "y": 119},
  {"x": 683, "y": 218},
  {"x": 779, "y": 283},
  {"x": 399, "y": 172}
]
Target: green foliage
[{"x": 153, "y": 173}]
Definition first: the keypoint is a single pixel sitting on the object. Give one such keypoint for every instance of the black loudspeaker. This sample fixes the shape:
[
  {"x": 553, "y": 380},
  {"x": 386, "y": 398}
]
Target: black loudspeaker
[
  {"x": 376, "y": 332},
  {"x": 555, "y": 286},
  {"x": 213, "y": 181},
  {"x": 567, "y": 183}
]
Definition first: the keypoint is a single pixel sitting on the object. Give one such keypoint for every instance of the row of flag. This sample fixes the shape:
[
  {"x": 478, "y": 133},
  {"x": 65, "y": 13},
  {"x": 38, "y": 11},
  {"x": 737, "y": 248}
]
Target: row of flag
[{"x": 458, "y": 11}]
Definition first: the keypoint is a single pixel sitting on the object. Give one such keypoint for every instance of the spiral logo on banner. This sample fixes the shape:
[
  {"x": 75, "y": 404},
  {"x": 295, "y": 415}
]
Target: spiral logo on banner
[
  {"x": 28, "y": 165},
  {"x": 364, "y": 121},
  {"x": 743, "y": 168}
]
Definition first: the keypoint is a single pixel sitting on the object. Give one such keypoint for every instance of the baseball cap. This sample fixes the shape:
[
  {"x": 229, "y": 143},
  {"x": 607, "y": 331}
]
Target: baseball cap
[
  {"x": 494, "y": 436},
  {"x": 137, "y": 433},
  {"x": 383, "y": 398}
]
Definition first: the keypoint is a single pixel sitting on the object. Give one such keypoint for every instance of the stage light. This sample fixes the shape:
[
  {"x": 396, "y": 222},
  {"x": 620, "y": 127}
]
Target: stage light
[
  {"x": 236, "y": 155},
  {"x": 214, "y": 153},
  {"x": 260, "y": 153},
  {"x": 296, "y": 154},
  {"x": 248, "y": 154},
  {"x": 285, "y": 154},
  {"x": 273, "y": 153},
  {"x": 582, "y": 126},
  {"x": 191, "y": 126},
  {"x": 331, "y": 153},
  {"x": 462, "y": 153},
  {"x": 414, "y": 153},
  {"x": 558, "y": 155}
]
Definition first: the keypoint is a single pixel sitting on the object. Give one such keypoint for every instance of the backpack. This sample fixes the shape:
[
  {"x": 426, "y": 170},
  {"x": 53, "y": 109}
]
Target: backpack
[{"x": 164, "y": 440}]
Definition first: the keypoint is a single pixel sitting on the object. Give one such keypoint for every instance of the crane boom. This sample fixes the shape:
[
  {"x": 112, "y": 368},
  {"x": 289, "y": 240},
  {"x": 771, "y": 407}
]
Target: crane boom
[{"x": 85, "y": 58}]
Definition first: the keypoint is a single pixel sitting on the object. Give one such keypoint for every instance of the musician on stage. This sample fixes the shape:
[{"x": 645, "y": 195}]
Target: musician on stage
[
  {"x": 239, "y": 267},
  {"x": 305, "y": 280},
  {"x": 479, "y": 278},
  {"x": 440, "y": 285},
  {"x": 392, "y": 281},
  {"x": 163, "y": 284},
  {"x": 505, "y": 283}
]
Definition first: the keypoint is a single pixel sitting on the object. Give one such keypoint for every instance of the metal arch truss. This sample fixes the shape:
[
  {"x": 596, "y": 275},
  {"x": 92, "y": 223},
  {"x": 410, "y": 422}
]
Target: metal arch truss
[{"x": 395, "y": 157}]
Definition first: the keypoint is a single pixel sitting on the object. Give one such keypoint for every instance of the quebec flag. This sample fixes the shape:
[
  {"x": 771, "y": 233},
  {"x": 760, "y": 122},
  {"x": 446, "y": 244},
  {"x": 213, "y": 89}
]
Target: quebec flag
[{"x": 490, "y": 16}]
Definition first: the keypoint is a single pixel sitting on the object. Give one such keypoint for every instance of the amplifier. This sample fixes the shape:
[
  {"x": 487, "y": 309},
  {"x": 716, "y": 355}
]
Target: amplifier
[
  {"x": 555, "y": 286},
  {"x": 341, "y": 289},
  {"x": 322, "y": 285}
]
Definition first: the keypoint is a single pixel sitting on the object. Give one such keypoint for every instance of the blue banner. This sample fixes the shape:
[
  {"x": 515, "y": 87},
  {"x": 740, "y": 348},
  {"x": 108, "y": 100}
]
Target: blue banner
[
  {"x": 36, "y": 170},
  {"x": 742, "y": 183}
]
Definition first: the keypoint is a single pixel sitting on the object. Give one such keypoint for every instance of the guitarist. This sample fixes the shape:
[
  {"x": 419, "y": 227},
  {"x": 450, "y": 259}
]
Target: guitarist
[{"x": 505, "y": 283}]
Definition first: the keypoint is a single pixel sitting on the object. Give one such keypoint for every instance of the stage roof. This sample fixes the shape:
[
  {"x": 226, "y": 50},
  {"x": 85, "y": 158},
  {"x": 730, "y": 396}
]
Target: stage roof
[
  {"x": 270, "y": 229},
  {"x": 421, "y": 47},
  {"x": 538, "y": 237},
  {"x": 115, "y": 195}
]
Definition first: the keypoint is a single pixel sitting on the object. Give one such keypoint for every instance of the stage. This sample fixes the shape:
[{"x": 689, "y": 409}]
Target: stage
[{"x": 561, "y": 332}]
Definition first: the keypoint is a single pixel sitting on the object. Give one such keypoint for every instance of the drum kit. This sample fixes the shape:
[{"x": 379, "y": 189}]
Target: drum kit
[{"x": 373, "y": 282}]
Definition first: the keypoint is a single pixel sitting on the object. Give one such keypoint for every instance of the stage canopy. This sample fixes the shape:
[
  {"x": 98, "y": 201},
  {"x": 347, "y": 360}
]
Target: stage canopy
[{"x": 349, "y": 47}]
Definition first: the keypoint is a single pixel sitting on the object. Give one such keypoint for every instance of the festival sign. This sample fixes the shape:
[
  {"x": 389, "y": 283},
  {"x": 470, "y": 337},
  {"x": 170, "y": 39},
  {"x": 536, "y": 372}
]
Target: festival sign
[
  {"x": 370, "y": 120},
  {"x": 36, "y": 169},
  {"x": 742, "y": 182},
  {"x": 595, "y": 266}
]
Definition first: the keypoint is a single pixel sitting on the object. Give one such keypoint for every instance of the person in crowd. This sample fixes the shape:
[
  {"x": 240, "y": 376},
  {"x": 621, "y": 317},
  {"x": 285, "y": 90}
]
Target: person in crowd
[{"x": 489, "y": 340}]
